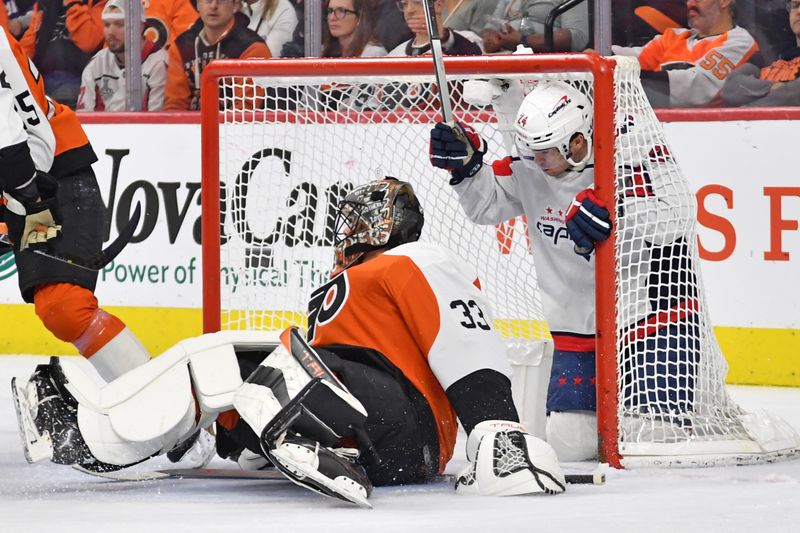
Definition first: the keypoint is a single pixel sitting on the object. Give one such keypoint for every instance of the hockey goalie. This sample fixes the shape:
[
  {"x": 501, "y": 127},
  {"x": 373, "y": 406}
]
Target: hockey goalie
[{"x": 400, "y": 347}]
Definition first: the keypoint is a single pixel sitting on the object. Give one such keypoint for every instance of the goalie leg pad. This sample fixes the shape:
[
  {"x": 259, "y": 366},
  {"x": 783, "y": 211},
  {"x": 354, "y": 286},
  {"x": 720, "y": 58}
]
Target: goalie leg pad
[
  {"x": 48, "y": 420},
  {"x": 510, "y": 462},
  {"x": 281, "y": 394},
  {"x": 323, "y": 470}
]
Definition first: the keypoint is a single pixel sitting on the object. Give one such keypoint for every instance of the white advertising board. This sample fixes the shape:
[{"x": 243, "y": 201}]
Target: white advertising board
[{"x": 744, "y": 173}]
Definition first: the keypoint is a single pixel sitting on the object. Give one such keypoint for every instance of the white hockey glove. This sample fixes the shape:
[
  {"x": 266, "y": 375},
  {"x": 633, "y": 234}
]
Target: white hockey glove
[
  {"x": 31, "y": 213},
  {"x": 507, "y": 461}
]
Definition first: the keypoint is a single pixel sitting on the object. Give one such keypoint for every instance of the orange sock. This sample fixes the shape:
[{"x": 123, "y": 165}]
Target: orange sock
[{"x": 71, "y": 313}]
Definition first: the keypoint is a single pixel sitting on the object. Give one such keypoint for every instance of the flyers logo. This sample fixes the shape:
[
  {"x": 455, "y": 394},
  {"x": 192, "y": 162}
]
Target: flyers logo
[
  {"x": 326, "y": 302},
  {"x": 563, "y": 102}
]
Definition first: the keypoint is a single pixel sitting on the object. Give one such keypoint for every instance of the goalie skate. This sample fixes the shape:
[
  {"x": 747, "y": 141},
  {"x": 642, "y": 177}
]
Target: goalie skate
[
  {"x": 36, "y": 446},
  {"x": 322, "y": 470}
]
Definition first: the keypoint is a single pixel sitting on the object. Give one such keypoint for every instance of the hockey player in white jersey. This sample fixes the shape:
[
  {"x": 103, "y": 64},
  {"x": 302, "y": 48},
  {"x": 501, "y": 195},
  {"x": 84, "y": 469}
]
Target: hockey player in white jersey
[
  {"x": 401, "y": 347},
  {"x": 550, "y": 181}
]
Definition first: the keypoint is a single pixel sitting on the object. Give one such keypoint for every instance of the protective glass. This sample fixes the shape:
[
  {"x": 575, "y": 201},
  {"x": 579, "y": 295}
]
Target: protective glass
[
  {"x": 339, "y": 13},
  {"x": 405, "y": 5}
]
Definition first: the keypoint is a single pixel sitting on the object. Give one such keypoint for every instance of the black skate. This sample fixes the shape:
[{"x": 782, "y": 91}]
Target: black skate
[{"x": 47, "y": 415}]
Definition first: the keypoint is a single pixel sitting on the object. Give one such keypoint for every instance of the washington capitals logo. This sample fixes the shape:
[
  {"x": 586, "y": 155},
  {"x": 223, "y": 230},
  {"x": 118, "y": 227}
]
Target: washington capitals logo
[{"x": 561, "y": 104}]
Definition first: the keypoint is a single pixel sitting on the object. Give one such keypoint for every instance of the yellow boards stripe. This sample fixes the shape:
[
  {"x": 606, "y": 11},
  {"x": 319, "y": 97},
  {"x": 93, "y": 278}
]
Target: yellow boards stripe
[{"x": 756, "y": 356}]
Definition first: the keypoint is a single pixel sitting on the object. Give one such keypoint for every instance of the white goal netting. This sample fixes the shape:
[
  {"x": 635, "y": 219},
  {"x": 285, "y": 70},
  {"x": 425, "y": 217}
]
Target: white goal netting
[{"x": 291, "y": 147}]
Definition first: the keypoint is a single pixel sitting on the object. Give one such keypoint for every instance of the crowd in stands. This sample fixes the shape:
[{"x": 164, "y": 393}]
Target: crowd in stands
[{"x": 693, "y": 53}]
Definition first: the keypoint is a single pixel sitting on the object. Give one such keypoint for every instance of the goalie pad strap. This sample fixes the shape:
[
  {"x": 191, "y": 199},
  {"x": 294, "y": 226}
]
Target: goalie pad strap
[{"x": 293, "y": 389}]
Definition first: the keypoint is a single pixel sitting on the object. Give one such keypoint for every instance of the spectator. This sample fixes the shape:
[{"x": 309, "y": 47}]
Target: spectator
[
  {"x": 391, "y": 29},
  {"x": 350, "y": 30},
  {"x": 687, "y": 67},
  {"x": 103, "y": 80},
  {"x": 273, "y": 20},
  {"x": 295, "y": 46},
  {"x": 777, "y": 84},
  {"x": 166, "y": 19},
  {"x": 220, "y": 33},
  {"x": 467, "y": 15},
  {"x": 570, "y": 32},
  {"x": 61, "y": 39},
  {"x": 453, "y": 42}
]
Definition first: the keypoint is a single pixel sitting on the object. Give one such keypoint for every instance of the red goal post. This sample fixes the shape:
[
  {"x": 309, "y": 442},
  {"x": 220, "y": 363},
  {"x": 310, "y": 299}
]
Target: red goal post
[{"x": 228, "y": 96}]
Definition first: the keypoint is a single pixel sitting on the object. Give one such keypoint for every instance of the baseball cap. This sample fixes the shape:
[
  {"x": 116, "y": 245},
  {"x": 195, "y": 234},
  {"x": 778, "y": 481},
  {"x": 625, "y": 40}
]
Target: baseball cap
[{"x": 119, "y": 14}]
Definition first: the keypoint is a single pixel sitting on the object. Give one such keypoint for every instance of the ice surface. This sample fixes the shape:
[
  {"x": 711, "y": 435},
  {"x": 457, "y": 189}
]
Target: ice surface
[{"x": 51, "y": 498}]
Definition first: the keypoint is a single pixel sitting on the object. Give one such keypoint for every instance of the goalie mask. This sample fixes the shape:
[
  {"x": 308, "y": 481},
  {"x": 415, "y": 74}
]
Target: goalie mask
[
  {"x": 549, "y": 117},
  {"x": 381, "y": 214}
]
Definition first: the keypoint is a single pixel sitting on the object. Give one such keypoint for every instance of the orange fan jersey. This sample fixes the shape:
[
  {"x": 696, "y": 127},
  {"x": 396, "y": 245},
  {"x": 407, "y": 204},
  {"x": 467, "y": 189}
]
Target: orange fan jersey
[
  {"x": 423, "y": 311},
  {"x": 697, "y": 67},
  {"x": 57, "y": 142}
]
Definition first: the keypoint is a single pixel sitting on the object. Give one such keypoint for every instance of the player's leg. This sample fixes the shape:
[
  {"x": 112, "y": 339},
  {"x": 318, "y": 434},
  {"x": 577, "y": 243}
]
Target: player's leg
[
  {"x": 63, "y": 293},
  {"x": 660, "y": 371},
  {"x": 403, "y": 443},
  {"x": 303, "y": 415},
  {"x": 571, "y": 406},
  {"x": 70, "y": 415}
]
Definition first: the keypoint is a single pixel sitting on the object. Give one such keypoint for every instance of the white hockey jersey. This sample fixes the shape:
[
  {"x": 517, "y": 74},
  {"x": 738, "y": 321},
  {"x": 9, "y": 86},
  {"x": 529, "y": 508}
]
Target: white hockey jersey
[
  {"x": 30, "y": 113},
  {"x": 14, "y": 152},
  {"x": 103, "y": 81},
  {"x": 422, "y": 309},
  {"x": 508, "y": 189}
]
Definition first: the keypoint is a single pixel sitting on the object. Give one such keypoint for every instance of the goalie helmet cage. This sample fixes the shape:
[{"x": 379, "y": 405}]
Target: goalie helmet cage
[{"x": 283, "y": 141}]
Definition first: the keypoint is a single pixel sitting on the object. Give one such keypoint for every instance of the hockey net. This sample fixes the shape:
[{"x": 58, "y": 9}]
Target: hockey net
[{"x": 284, "y": 141}]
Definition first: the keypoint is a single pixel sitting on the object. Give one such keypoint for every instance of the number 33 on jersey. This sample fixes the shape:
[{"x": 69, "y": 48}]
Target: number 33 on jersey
[{"x": 422, "y": 310}]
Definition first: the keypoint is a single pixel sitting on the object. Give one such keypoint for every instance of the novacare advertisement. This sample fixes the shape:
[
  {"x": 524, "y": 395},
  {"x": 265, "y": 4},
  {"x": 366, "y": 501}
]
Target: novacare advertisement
[{"x": 748, "y": 211}]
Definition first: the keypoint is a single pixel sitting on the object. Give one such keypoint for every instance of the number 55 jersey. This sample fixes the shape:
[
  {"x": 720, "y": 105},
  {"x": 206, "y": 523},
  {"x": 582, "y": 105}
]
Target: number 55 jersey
[{"x": 422, "y": 308}]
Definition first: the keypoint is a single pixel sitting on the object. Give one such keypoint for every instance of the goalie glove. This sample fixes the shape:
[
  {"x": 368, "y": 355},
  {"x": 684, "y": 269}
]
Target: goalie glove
[
  {"x": 588, "y": 222},
  {"x": 31, "y": 212},
  {"x": 507, "y": 461},
  {"x": 457, "y": 148}
]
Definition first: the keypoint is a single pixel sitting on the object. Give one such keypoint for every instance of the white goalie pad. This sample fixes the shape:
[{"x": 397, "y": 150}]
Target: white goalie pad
[
  {"x": 109, "y": 445},
  {"x": 152, "y": 407}
]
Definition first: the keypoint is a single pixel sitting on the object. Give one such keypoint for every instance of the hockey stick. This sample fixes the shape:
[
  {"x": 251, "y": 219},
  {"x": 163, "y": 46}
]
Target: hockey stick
[
  {"x": 101, "y": 259},
  {"x": 438, "y": 61},
  {"x": 597, "y": 478}
]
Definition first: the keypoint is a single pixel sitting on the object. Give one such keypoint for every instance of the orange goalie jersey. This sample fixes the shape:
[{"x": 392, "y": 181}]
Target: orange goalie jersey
[{"x": 424, "y": 312}]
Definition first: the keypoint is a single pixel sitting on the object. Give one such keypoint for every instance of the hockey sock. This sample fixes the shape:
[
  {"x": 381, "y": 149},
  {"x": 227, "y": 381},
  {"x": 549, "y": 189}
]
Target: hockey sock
[{"x": 71, "y": 313}]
